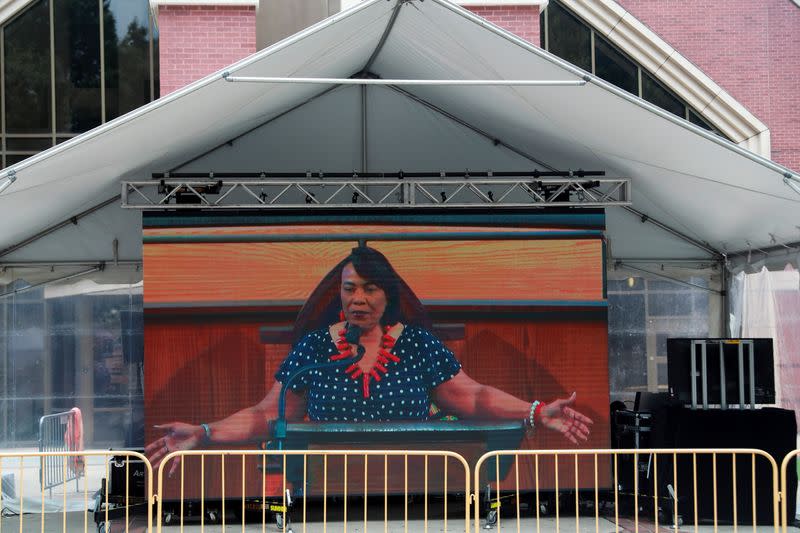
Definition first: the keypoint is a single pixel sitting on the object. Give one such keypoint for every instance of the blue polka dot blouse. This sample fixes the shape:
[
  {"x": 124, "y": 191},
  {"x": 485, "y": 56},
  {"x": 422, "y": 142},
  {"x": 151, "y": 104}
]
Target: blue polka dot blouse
[{"x": 404, "y": 393}]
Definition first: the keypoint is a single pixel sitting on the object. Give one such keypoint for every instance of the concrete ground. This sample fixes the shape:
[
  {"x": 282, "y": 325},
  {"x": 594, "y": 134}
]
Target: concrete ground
[
  {"x": 22, "y": 485},
  {"x": 75, "y": 522}
]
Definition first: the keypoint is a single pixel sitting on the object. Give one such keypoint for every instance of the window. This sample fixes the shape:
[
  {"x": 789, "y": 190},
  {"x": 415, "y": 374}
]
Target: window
[
  {"x": 655, "y": 93},
  {"x": 614, "y": 67},
  {"x": 77, "y": 65},
  {"x": 26, "y": 68},
  {"x": 52, "y": 91},
  {"x": 568, "y": 37},
  {"x": 643, "y": 311},
  {"x": 127, "y": 48},
  {"x": 697, "y": 120}
]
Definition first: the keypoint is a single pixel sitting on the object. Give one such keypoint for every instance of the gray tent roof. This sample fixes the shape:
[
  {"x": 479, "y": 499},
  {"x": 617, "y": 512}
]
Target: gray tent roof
[{"x": 702, "y": 186}]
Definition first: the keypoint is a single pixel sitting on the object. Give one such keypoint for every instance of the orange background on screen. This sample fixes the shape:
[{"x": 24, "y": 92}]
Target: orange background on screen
[{"x": 569, "y": 269}]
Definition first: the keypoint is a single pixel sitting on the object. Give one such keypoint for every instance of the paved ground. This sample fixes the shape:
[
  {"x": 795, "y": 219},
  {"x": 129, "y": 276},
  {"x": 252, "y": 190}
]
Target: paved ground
[
  {"x": 22, "y": 483},
  {"x": 75, "y": 523}
]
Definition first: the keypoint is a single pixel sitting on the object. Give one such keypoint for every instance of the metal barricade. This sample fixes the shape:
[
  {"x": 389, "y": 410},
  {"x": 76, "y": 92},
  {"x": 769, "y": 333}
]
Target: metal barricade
[
  {"x": 92, "y": 509},
  {"x": 665, "y": 487},
  {"x": 375, "y": 476},
  {"x": 658, "y": 486},
  {"x": 60, "y": 432},
  {"x": 788, "y": 460}
]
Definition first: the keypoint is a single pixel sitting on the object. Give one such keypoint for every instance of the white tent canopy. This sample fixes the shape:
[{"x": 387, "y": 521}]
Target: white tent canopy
[{"x": 714, "y": 196}]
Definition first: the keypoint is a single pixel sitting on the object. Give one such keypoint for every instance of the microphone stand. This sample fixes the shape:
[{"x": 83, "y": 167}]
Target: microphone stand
[{"x": 280, "y": 425}]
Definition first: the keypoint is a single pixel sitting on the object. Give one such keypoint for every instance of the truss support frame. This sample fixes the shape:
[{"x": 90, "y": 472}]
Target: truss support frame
[{"x": 172, "y": 194}]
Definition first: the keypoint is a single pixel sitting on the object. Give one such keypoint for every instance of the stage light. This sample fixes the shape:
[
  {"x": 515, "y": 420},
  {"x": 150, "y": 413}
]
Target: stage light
[
  {"x": 792, "y": 181},
  {"x": 7, "y": 181}
]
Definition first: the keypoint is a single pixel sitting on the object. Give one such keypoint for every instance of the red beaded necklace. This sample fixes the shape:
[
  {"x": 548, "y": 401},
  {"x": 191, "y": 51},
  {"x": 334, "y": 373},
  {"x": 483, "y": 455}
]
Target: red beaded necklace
[{"x": 384, "y": 357}]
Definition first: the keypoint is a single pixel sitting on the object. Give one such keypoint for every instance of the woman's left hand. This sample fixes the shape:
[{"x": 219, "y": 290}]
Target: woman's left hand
[{"x": 559, "y": 416}]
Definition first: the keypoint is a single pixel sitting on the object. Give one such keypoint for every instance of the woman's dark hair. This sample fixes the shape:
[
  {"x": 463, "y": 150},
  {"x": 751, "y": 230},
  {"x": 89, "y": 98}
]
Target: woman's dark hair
[
  {"x": 373, "y": 266},
  {"x": 324, "y": 304}
]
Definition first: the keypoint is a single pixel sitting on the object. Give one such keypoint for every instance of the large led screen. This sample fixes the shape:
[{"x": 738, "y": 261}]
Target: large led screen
[{"x": 475, "y": 321}]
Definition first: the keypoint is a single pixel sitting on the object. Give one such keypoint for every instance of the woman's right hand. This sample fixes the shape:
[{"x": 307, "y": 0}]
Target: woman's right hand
[{"x": 177, "y": 436}]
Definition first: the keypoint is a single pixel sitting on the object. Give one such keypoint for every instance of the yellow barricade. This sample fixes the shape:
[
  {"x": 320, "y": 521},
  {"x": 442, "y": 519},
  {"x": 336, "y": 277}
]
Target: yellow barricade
[
  {"x": 644, "y": 488},
  {"x": 788, "y": 460},
  {"x": 260, "y": 484},
  {"x": 117, "y": 489}
]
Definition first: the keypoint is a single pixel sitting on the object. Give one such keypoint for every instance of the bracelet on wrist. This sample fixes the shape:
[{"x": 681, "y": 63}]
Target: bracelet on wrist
[{"x": 531, "y": 419}]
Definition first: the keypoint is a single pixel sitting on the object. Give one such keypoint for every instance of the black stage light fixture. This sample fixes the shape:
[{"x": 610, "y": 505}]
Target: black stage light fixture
[{"x": 185, "y": 196}]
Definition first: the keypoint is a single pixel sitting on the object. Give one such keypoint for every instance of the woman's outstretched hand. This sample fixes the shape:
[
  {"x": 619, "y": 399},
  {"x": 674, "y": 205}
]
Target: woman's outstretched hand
[
  {"x": 559, "y": 416},
  {"x": 177, "y": 436}
]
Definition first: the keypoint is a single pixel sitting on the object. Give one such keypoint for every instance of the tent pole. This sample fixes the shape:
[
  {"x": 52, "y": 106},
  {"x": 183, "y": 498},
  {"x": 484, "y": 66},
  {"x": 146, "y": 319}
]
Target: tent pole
[
  {"x": 767, "y": 250},
  {"x": 702, "y": 245},
  {"x": 386, "y": 32},
  {"x": 725, "y": 299},
  {"x": 75, "y": 263},
  {"x": 48, "y": 282},
  {"x": 664, "y": 276},
  {"x": 227, "y": 76},
  {"x": 71, "y": 220},
  {"x": 700, "y": 261},
  {"x": 364, "y": 161}
]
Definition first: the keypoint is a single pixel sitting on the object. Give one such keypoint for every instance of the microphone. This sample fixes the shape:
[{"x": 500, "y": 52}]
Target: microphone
[{"x": 353, "y": 336}]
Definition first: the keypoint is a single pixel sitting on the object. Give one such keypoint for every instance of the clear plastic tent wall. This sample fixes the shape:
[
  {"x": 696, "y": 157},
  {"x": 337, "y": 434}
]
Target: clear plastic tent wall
[
  {"x": 72, "y": 344},
  {"x": 767, "y": 304},
  {"x": 648, "y": 303}
]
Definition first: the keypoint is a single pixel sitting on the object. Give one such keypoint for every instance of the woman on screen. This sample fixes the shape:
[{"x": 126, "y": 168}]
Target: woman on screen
[{"x": 363, "y": 306}]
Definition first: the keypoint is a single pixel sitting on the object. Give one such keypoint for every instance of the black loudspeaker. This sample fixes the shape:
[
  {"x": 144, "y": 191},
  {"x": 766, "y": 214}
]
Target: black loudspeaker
[
  {"x": 127, "y": 481},
  {"x": 645, "y": 427},
  {"x": 722, "y": 359},
  {"x": 771, "y": 430}
]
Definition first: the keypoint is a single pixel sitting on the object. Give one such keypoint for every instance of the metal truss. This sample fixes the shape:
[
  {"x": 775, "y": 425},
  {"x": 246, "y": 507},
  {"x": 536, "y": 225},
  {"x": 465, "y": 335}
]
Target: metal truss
[{"x": 231, "y": 193}]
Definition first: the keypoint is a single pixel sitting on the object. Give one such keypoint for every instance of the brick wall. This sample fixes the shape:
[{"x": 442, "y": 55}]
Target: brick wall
[
  {"x": 195, "y": 41},
  {"x": 522, "y": 21},
  {"x": 751, "y": 49}
]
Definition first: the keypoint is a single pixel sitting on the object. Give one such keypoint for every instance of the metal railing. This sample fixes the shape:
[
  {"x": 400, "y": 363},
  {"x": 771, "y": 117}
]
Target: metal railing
[
  {"x": 790, "y": 459},
  {"x": 125, "y": 498},
  {"x": 60, "y": 432},
  {"x": 641, "y": 490},
  {"x": 659, "y": 484},
  {"x": 370, "y": 480}
]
